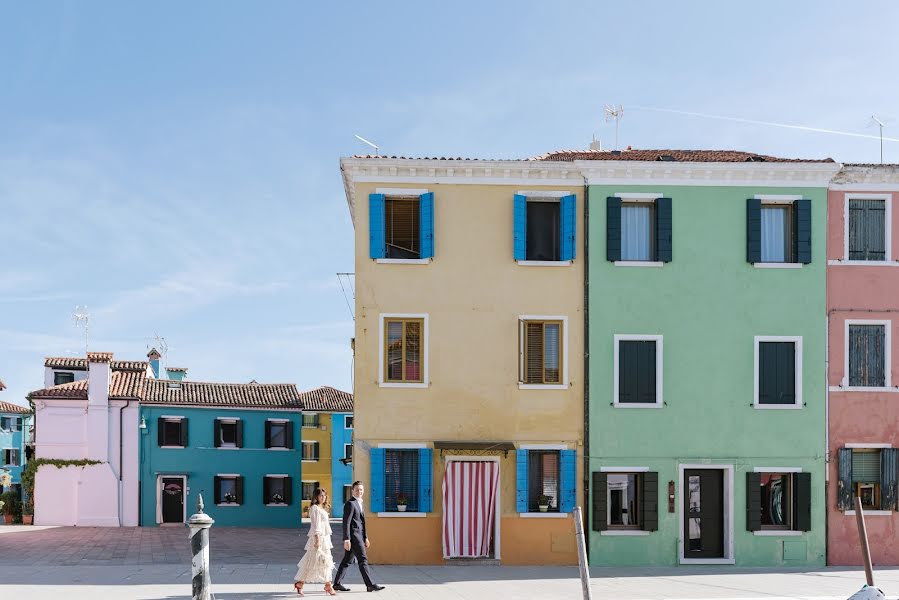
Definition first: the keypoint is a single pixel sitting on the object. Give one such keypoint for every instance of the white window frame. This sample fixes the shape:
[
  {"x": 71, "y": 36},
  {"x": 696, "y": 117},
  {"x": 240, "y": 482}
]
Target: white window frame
[
  {"x": 278, "y": 476},
  {"x": 628, "y": 337},
  {"x": 185, "y": 491},
  {"x": 287, "y": 423},
  {"x": 791, "y": 471},
  {"x": 425, "y": 380},
  {"x": 888, "y": 354},
  {"x": 641, "y": 471},
  {"x": 779, "y": 200},
  {"x": 521, "y": 341},
  {"x": 345, "y": 446},
  {"x": 639, "y": 197},
  {"x": 346, "y": 419},
  {"x": 233, "y": 476},
  {"x": 312, "y": 443},
  {"x": 7, "y": 463},
  {"x": 888, "y": 226},
  {"x": 869, "y": 446},
  {"x": 402, "y": 193},
  {"x": 222, "y": 443},
  {"x": 171, "y": 419},
  {"x": 797, "y": 369},
  {"x": 728, "y": 516},
  {"x": 544, "y": 196}
]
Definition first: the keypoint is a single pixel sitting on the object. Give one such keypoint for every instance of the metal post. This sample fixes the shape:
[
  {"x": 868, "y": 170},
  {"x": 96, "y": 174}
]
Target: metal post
[
  {"x": 199, "y": 547},
  {"x": 582, "y": 553},
  {"x": 863, "y": 538}
]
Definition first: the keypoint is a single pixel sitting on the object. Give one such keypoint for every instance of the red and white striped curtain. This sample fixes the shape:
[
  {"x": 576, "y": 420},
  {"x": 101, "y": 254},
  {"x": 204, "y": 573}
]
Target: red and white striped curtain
[{"x": 469, "y": 508}]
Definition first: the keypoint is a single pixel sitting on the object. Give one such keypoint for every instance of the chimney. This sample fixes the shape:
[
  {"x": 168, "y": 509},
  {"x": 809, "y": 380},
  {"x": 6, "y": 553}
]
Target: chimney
[
  {"x": 176, "y": 373},
  {"x": 596, "y": 145},
  {"x": 98, "y": 376},
  {"x": 154, "y": 357}
]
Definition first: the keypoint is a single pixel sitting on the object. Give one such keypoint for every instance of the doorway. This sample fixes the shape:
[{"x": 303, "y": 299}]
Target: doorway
[
  {"x": 471, "y": 508},
  {"x": 172, "y": 499},
  {"x": 706, "y": 522}
]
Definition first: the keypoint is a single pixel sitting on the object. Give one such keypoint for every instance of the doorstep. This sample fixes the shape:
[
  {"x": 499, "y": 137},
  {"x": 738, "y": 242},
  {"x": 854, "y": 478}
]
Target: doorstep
[{"x": 471, "y": 562}]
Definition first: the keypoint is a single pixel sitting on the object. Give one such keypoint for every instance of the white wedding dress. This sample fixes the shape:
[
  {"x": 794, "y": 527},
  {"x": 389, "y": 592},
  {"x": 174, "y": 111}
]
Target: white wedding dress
[{"x": 317, "y": 565}]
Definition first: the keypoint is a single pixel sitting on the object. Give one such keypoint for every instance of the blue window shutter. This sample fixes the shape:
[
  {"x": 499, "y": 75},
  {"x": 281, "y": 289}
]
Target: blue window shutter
[
  {"x": 376, "y": 491},
  {"x": 753, "y": 230},
  {"x": 568, "y": 481},
  {"x": 569, "y": 226},
  {"x": 426, "y": 214},
  {"x": 613, "y": 228},
  {"x": 376, "y": 239},
  {"x": 521, "y": 481},
  {"x": 519, "y": 224},
  {"x": 802, "y": 231},
  {"x": 425, "y": 480},
  {"x": 663, "y": 229}
]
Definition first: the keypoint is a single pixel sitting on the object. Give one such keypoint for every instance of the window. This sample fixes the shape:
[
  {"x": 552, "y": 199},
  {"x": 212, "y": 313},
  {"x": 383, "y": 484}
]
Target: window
[
  {"x": 310, "y": 451},
  {"x": 347, "y": 492},
  {"x": 401, "y": 479},
  {"x": 276, "y": 490},
  {"x": 637, "y": 231},
  {"x": 172, "y": 432},
  {"x": 638, "y": 228},
  {"x": 401, "y": 227},
  {"x": 866, "y": 477},
  {"x": 543, "y": 231},
  {"x": 61, "y": 378},
  {"x": 402, "y": 350},
  {"x": 228, "y": 433},
  {"x": 229, "y": 489},
  {"x": 624, "y": 499},
  {"x": 544, "y": 226},
  {"x": 777, "y": 244},
  {"x": 541, "y": 352},
  {"x": 867, "y": 229},
  {"x": 638, "y": 371},
  {"x": 776, "y": 500},
  {"x": 310, "y": 420},
  {"x": 348, "y": 421},
  {"x": 11, "y": 457},
  {"x": 868, "y": 348},
  {"x": 309, "y": 488},
  {"x": 778, "y": 365},
  {"x": 348, "y": 451},
  {"x": 277, "y": 434},
  {"x": 10, "y": 423},
  {"x": 543, "y": 480}
]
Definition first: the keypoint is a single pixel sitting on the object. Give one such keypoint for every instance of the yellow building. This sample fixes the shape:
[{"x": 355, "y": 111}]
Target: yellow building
[{"x": 469, "y": 357}]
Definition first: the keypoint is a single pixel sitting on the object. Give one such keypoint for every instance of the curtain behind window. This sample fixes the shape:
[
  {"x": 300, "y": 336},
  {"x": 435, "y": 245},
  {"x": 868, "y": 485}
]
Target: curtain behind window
[
  {"x": 636, "y": 232},
  {"x": 774, "y": 238}
]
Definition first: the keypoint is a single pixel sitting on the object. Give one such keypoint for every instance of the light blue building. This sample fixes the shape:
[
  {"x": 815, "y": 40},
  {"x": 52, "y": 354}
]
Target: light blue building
[
  {"x": 15, "y": 425},
  {"x": 236, "y": 444},
  {"x": 341, "y": 461}
]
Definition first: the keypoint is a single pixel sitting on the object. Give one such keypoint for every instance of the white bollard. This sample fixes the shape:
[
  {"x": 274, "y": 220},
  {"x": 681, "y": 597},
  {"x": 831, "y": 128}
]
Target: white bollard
[{"x": 199, "y": 547}]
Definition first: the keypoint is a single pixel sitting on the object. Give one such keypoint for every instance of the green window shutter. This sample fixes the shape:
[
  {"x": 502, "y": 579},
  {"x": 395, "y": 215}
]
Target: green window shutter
[
  {"x": 753, "y": 230},
  {"x": 647, "y": 372},
  {"x": 288, "y": 434},
  {"x": 803, "y": 501},
  {"x": 786, "y": 372},
  {"x": 184, "y": 432},
  {"x": 650, "y": 508},
  {"x": 753, "y": 501},
  {"x": 802, "y": 231},
  {"x": 844, "y": 479},
  {"x": 288, "y": 490},
  {"x": 217, "y": 489},
  {"x": 160, "y": 431},
  {"x": 600, "y": 508},
  {"x": 613, "y": 228},
  {"x": 238, "y": 488},
  {"x": 888, "y": 464},
  {"x": 238, "y": 433},
  {"x": 265, "y": 489},
  {"x": 664, "y": 230},
  {"x": 767, "y": 373},
  {"x": 268, "y": 434},
  {"x": 217, "y": 433}
]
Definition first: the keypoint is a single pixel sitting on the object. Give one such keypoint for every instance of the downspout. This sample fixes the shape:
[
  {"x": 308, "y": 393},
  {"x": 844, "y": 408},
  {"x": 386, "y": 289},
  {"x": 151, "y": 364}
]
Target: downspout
[
  {"x": 586, "y": 481},
  {"x": 826, "y": 425}
]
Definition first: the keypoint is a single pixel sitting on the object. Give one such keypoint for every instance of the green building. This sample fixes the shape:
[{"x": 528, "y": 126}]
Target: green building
[{"x": 706, "y": 345}]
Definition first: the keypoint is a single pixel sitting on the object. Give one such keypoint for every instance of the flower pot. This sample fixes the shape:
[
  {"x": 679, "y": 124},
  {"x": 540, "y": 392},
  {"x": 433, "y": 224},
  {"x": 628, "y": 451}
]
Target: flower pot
[
  {"x": 544, "y": 508},
  {"x": 27, "y": 519},
  {"x": 7, "y": 519},
  {"x": 401, "y": 507}
]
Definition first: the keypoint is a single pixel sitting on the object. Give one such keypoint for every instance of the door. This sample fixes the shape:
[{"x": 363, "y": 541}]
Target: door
[
  {"x": 470, "y": 502},
  {"x": 172, "y": 500},
  {"x": 703, "y": 512}
]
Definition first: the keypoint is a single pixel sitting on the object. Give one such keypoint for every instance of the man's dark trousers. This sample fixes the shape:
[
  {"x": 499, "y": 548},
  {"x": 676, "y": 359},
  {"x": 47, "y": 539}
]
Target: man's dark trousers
[{"x": 354, "y": 530}]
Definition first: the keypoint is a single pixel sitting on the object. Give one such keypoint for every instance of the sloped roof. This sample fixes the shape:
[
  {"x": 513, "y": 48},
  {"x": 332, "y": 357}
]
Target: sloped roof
[
  {"x": 327, "y": 399},
  {"x": 7, "y": 407},
  {"x": 243, "y": 395},
  {"x": 715, "y": 156},
  {"x": 122, "y": 385},
  {"x": 69, "y": 362}
]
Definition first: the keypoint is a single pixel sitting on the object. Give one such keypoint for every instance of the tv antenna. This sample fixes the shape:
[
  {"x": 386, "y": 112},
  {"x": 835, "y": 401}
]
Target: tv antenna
[
  {"x": 614, "y": 113},
  {"x": 365, "y": 141},
  {"x": 880, "y": 123},
  {"x": 81, "y": 319}
]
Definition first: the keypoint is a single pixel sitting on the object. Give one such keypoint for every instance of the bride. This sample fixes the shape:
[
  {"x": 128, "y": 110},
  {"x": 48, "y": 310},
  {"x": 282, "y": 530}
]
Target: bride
[{"x": 317, "y": 564}]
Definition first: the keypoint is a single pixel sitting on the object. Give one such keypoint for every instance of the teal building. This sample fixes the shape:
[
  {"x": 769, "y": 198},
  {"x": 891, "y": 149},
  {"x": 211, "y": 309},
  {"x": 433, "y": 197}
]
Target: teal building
[{"x": 15, "y": 425}]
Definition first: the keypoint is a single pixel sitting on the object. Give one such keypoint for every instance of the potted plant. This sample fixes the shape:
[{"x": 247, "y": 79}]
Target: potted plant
[
  {"x": 277, "y": 499},
  {"x": 27, "y": 512},
  {"x": 10, "y": 506},
  {"x": 230, "y": 498},
  {"x": 401, "y": 502},
  {"x": 543, "y": 502}
]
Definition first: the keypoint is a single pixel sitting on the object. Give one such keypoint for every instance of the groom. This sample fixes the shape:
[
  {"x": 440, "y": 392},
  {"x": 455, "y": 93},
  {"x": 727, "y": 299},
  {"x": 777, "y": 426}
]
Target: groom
[{"x": 355, "y": 540}]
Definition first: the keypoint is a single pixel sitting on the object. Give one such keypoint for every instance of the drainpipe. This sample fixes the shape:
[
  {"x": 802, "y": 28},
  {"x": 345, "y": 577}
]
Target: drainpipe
[{"x": 586, "y": 481}]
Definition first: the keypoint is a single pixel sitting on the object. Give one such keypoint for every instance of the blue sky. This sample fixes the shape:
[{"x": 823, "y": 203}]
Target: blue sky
[{"x": 174, "y": 166}]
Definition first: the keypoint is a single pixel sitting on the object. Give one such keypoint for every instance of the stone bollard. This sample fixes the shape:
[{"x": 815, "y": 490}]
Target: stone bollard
[{"x": 199, "y": 547}]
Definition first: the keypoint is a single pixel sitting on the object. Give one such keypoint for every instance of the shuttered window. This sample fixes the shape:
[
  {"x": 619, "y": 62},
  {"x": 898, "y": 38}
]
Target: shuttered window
[
  {"x": 541, "y": 352},
  {"x": 866, "y": 477},
  {"x": 776, "y": 500},
  {"x": 867, "y": 355},
  {"x": 777, "y": 373},
  {"x": 637, "y": 372},
  {"x": 309, "y": 488},
  {"x": 276, "y": 490},
  {"x": 310, "y": 451},
  {"x": 278, "y": 434},
  {"x": 172, "y": 432},
  {"x": 777, "y": 243},
  {"x": 402, "y": 350},
  {"x": 11, "y": 457},
  {"x": 637, "y": 231},
  {"x": 867, "y": 229},
  {"x": 229, "y": 489},
  {"x": 543, "y": 480},
  {"x": 401, "y": 227},
  {"x": 542, "y": 240},
  {"x": 401, "y": 472},
  {"x": 624, "y": 500},
  {"x": 310, "y": 420}
]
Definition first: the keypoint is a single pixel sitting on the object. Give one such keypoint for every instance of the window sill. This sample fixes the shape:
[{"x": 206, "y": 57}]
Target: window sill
[
  {"x": 778, "y": 406},
  {"x": 625, "y": 532},
  {"x": 227, "y": 504},
  {"x": 279, "y": 448},
  {"x": 385, "y": 384},
  {"x": 544, "y": 263},
  {"x": 638, "y": 263},
  {"x": 412, "y": 515},
  {"x": 546, "y": 515},
  {"x": 173, "y": 447},
  {"x": 402, "y": 261},
  {"x": 542, "y": 386},
  {"x": 870, "y": 513},
  {"x": 276, "y": 504},
  {"x": 309, "y": 460},
  {"x": 637, "y": 405},
  {"x": 863, "y": 263},
  {"x": 777, "y": 533},
  {"x": 777, "y": 265},
  {"x": 227, "y": 448},
  {"x": 840, "y": 388}
]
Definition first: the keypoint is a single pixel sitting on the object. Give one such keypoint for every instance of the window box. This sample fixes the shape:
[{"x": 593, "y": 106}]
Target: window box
[
  {"x": 637, "y": 377},
  {"x": 778, "y": 372}
]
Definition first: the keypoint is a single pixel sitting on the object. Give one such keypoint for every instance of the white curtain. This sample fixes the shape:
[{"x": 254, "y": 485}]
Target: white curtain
[
  {"x": 636, "y": 228},
  {"x": 773, "y": 241}
]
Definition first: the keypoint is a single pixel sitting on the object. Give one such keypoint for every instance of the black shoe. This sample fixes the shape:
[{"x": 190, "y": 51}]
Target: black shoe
[
  {"x": 375, "y": 588},
  {"x": 340, "y": 588}
]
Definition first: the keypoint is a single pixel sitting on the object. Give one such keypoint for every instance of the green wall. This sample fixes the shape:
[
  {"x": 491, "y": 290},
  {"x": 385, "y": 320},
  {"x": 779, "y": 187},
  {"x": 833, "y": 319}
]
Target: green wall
[{"x": 708, "y": 303}]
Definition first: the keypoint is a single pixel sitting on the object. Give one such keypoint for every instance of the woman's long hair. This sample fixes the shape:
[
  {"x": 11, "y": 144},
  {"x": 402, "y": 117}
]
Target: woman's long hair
[{"x": 320, "y": 497}]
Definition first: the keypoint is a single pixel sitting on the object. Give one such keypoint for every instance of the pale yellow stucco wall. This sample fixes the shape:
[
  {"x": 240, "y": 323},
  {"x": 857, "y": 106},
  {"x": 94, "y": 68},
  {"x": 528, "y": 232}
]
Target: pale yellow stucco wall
[{"x": 319, "y": 470}]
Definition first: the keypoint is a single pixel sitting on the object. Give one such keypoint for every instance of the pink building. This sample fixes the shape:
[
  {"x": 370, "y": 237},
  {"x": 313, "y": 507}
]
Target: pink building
[{"x": 863, "y": 361}]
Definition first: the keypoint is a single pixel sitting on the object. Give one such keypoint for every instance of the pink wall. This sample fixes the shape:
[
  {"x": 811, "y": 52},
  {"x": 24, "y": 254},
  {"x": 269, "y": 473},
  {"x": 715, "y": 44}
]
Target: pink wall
[{"x": 859, "y": 292}]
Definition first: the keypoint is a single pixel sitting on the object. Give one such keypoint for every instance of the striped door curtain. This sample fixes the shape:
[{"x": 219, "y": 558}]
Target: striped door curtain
[{"x": 469, "y": 508}]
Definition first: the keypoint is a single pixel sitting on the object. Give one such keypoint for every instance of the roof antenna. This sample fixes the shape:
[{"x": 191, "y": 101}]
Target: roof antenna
[
  {"x": 82, "y": 319},
  {"x": 365, "y": 141},
  {"x": 880, "y": 123},
  {"x": 614, "y": 113}
]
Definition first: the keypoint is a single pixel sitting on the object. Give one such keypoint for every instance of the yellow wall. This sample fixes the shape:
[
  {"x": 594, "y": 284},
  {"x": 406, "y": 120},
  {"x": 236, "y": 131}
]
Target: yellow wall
[
  {"x": 473, "y": 292},
  {"x": 319, "y": 470}
]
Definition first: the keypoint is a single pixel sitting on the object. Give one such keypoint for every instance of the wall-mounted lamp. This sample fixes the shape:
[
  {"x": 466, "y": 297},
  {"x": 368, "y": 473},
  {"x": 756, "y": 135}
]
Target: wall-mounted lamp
[{"x": 143, "y": 423}]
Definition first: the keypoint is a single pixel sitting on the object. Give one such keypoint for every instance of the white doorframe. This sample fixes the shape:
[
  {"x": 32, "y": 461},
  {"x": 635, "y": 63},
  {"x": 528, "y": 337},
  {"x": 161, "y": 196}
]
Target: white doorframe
[
  {"x": 499, "y": 489},
  {"x": 159, "y": 479},
  {"x": 728, "y": 516}
]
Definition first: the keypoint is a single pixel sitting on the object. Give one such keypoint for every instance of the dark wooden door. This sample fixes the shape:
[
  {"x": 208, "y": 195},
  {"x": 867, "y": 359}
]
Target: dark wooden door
[
  {"x": 703, "y": 513},
  {"x": 172, "y": 500}
]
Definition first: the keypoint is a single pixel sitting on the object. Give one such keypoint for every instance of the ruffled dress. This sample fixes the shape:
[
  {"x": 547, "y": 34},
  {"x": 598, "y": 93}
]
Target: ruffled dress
[{"x": 317, "y": 565}]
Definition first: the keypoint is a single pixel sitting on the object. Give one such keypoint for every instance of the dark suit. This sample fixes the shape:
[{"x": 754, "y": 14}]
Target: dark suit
[{"x": 354, "y": 531}]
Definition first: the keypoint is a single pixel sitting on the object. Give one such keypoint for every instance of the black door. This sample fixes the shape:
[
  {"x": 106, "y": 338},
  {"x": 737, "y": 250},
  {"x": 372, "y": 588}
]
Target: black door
[
  {"x": 173, "y": 500},
  {"x": 704, "y": 513}
]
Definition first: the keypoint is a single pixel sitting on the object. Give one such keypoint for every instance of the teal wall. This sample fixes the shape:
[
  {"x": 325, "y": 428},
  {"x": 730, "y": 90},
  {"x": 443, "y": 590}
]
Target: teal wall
[
  {"x": 708, "y": 303},
  {"x": 341, "y": 474},
  {"x": 15, "y": 439},
  {"x": 201, "y": 461}
]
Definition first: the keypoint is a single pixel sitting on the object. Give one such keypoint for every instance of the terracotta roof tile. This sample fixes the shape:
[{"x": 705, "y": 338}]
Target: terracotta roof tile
[
  {"x": 245, "y": 395},
  {"x": 327, "y": 399},
  {"x": 100, "y": 357},
  {"x": 718, "y": 156},
  {"x": 69, "y": 362},
  {"x": 122, "y": 385},
  {"x": 6, "y": 407},
  {"x": 73, "y": 389}
]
